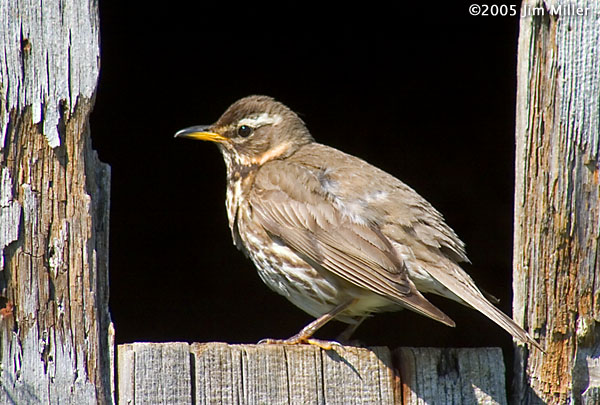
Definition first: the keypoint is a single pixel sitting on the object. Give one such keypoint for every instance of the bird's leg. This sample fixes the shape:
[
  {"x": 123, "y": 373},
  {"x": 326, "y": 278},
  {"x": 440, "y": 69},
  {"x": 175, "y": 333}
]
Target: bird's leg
[
  {"x": 344, "y": 337},
  {"x": 304, "y": 336}
]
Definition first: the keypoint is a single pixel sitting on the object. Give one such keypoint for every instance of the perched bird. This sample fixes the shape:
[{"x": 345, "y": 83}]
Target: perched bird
[{"x": 338, "y": 237}]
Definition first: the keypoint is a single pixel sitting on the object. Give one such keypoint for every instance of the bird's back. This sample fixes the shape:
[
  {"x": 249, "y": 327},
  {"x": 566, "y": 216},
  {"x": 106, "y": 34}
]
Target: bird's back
[{"x": 373, "y": 195}]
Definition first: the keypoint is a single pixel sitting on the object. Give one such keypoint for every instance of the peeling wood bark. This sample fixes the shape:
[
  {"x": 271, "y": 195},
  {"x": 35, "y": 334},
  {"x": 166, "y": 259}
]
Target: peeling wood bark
[
  {"x": 54, "y": 201},
  {"x": 217, "y": 373},
  {"x": 557, "y": 202}
]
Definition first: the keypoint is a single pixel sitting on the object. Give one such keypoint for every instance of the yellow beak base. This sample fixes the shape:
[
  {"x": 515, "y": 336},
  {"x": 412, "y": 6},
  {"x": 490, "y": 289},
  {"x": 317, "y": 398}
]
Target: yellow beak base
[{"x": 200, "y": 133}]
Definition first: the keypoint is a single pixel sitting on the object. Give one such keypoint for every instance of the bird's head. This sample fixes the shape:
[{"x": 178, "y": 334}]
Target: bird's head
[{"x": 252, "y": 131}]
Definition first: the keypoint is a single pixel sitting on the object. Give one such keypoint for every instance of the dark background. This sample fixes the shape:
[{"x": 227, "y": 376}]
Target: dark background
[{"x": 426, "y": 93}]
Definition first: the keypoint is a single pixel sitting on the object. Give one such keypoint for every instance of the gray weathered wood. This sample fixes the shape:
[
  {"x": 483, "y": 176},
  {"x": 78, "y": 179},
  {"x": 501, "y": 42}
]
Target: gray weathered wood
[
  {"x": 557, "y": 201},
  {"x": 54, "y": 198},
  {"x": 155, "y": 373},
  {"x": 217, "y": 373},
  {"x": 452, "y": 376}
]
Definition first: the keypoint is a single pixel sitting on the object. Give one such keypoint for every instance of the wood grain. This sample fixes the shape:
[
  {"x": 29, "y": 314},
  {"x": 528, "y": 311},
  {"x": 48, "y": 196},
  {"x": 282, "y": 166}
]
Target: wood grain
[
  {"x": 280, "y": 374},
  {"x": 54, "y": 202},
  {"x": 452, "y": 376},
  {"x": 557, "y": 201}
]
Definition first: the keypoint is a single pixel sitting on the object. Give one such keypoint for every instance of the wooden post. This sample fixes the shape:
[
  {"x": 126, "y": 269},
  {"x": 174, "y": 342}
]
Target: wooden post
[
  {"x": 557, "y": 201},
  {"x": 217, "y": 373},
  {"x": 54, "y": 200}
]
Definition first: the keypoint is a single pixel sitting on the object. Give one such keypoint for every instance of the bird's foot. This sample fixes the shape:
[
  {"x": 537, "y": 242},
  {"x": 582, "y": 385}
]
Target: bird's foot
[{"x": 300, "y": 340}]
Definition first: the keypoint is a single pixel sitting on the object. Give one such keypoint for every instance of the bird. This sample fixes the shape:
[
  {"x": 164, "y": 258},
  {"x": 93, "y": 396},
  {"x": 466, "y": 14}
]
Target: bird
[{"x": 338, "y": 237}]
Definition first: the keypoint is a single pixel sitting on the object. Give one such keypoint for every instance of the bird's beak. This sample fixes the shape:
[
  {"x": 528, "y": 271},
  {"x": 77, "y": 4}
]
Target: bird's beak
[{"x": 200, "y": 133}]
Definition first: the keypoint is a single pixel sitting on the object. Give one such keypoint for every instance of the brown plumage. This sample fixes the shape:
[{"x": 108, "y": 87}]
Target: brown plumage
[{"x": 340, "y": 238}]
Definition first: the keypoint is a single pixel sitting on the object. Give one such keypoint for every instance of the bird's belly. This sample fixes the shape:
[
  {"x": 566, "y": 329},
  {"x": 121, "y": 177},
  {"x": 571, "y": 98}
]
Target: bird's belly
[{"x": 288, "y": 274}]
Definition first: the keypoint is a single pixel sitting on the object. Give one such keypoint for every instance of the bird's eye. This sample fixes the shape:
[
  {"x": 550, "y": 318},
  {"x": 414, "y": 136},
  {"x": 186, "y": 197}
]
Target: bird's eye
[{"x": 244, "y": 131}]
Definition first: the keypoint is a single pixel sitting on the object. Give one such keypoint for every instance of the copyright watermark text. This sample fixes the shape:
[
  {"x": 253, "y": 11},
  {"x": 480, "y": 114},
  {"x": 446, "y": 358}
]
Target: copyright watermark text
[
  {"x": 511, "y": 10},
  {"x": 486, "y": 10}
]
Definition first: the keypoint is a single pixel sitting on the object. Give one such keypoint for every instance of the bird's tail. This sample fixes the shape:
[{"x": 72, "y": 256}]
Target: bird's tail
[{"x": 460, "y": 284}]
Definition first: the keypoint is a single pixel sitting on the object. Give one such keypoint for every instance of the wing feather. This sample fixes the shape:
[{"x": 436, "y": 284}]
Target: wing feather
[{"x": 331, "y": 241}]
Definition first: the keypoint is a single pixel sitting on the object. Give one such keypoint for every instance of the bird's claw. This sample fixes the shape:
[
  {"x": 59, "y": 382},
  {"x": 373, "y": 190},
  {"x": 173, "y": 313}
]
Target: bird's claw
[{"x": 296, "y": 340}]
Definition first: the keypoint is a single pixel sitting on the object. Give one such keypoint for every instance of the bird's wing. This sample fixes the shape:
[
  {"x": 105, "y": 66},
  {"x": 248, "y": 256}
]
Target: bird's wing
[
  {"x": 289, "y": 202},
  {"x": 409, "y": 222},
  {"x": 384, "y": 199}
]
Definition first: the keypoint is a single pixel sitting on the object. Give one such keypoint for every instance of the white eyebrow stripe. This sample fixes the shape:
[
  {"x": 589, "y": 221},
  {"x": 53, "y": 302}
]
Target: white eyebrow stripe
[{"x": 260, "y": 120}]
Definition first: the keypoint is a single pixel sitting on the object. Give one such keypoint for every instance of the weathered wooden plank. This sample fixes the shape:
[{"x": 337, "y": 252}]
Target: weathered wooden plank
[
  {"x": 225, "y": 364},
  {"x": 126, "y": 374},
  {"x": 452, "y": 376},
  {"x": 54, "y": 203},
  {"x": 305, "y": 375},
  {"x": 279, "y": 374},
  {"x": 51, "y": 56},
  {"x": 264, "y": 376},
  {"x": 358, "y": 375},
  {"x": 258, "y": 374},
  {"x": 557, "y": 200},
  {"x": 155, "y": 373}
]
